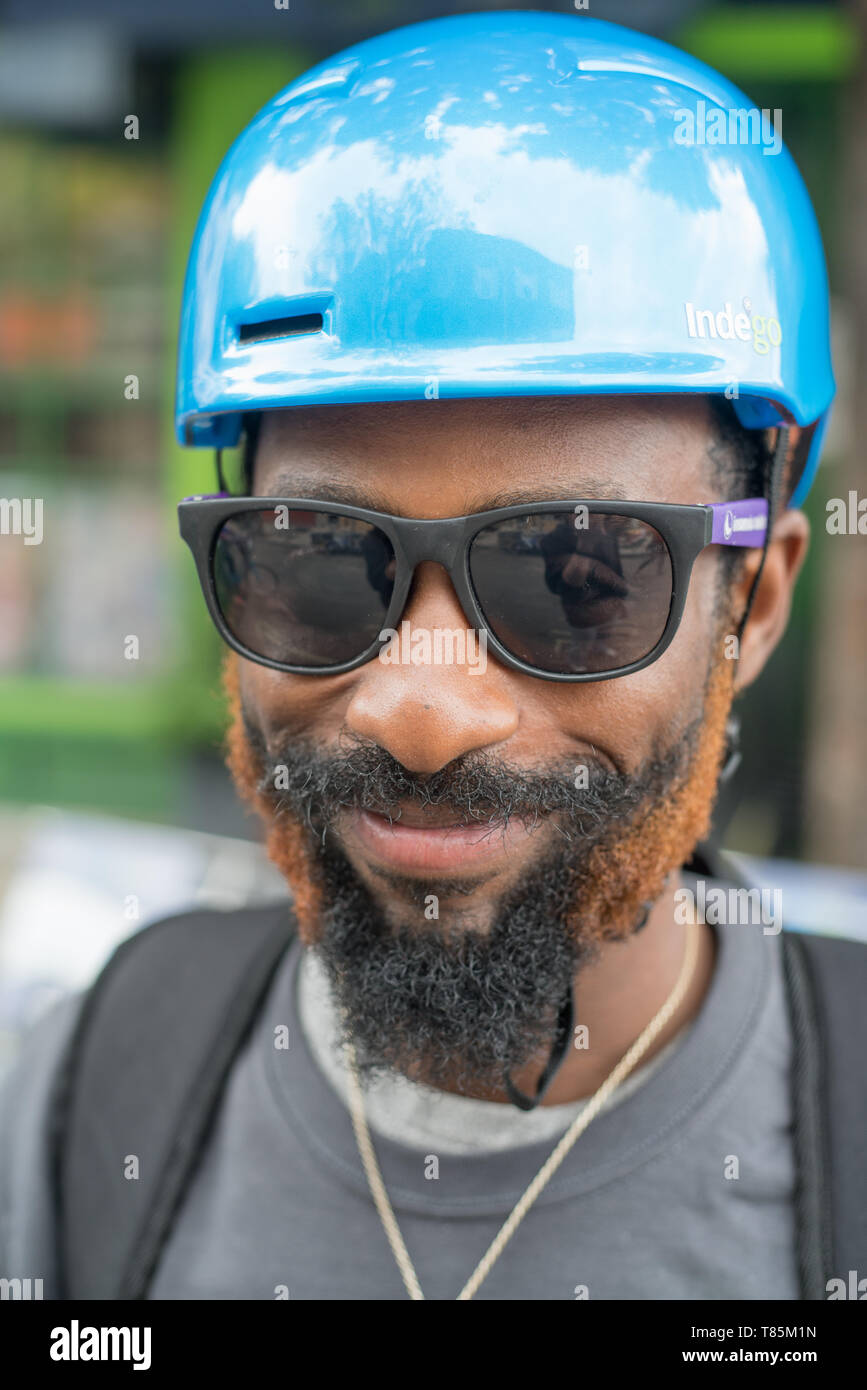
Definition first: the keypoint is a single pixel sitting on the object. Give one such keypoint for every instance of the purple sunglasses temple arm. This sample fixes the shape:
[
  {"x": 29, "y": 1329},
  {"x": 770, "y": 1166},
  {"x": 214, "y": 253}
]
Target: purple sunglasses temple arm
[{"x": 739, "y": 523}]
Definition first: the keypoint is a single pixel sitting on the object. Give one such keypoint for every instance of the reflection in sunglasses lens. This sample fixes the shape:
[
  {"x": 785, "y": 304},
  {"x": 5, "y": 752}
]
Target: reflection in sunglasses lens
[
  {"x": 573, "y": 593},
  {"x": 303, "y": 588}
]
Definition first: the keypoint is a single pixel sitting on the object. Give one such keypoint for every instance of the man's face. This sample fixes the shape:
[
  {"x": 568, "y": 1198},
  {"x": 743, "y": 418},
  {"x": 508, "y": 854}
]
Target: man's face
[{"x": 447, "y": 854}]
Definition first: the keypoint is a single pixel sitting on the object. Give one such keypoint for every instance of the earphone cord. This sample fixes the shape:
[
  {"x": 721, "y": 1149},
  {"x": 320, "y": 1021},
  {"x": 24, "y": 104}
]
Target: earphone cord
[{"x": 560, "y": 1045}]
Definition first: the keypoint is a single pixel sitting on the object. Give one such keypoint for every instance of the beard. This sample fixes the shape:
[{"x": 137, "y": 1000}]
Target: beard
[{"x": 440, "y": 998}]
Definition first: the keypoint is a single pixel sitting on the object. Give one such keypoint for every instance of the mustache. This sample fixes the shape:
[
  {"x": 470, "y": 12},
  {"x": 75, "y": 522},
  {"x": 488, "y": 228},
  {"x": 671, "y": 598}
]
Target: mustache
[{"x": 313, "y": 784}]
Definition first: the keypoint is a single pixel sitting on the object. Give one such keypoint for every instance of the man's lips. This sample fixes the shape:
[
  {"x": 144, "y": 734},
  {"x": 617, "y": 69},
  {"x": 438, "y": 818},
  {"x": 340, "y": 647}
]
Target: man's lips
[{"x": 432, "y": 848}]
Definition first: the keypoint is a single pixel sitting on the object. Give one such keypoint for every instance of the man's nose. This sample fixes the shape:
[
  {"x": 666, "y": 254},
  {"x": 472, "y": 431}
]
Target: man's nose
[{"x": 427, "y": 715}]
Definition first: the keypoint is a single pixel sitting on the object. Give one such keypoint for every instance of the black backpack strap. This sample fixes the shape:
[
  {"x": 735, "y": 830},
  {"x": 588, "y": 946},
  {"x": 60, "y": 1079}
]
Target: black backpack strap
[
  {"x": 142, "y": 1077},
  {"x": 826, "y": 988},
  {"x": 809, "y": 1120},
  {"x": 828, "y": 991}
]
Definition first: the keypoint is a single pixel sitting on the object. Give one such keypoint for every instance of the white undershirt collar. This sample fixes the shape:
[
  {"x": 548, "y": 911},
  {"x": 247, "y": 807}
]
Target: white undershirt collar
[{"x": 423, "y": 1117}]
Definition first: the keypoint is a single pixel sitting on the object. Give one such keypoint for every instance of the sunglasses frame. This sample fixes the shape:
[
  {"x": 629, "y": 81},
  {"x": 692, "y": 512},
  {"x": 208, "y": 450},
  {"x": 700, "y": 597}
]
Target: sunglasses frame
[{"x": 686, "y": 530}]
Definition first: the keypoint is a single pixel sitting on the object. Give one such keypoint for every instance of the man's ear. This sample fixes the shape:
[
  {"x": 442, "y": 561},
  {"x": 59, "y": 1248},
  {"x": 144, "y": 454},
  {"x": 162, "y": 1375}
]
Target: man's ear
[{"x": 772, "y": 603}]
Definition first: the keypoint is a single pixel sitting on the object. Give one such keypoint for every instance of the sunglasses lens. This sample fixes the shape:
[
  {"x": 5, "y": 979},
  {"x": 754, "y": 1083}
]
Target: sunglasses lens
[
  {"x": 304, "y": 588},
  {"x": 573, "y": 593}
]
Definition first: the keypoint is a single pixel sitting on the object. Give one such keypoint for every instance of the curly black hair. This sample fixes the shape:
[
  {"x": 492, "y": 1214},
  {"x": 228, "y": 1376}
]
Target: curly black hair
[{"x": 740, "y": 458}]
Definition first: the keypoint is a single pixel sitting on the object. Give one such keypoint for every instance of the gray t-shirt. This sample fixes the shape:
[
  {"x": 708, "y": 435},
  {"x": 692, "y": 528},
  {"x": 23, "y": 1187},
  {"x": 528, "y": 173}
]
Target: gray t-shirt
[{"x": 682, "y": 1190}]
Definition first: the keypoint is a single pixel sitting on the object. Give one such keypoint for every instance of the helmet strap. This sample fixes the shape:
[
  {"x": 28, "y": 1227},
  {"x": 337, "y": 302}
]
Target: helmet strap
[
  {"x": 778, "y": 461},
  {"x": 221, "y": 481}
]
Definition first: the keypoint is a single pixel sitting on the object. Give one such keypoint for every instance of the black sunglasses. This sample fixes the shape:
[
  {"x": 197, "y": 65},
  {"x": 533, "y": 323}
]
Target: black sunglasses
[{"x": 567, "y": 591}]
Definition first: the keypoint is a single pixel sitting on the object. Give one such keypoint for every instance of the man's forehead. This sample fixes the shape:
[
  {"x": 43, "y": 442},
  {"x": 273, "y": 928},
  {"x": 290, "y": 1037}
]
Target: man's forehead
[
  {"x": 481, "y": 452},
  {"x": 289, "y": 482},
  {"x": 557, "y": 416}
]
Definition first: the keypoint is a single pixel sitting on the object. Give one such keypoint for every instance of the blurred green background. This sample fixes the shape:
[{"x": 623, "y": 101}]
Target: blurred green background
[{"x": 94, "y": 233}]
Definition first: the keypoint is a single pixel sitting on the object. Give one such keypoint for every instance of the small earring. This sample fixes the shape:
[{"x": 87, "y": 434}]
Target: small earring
[
  {"x": 732, "y": 758},
  {"x": 644, "y": 918}
]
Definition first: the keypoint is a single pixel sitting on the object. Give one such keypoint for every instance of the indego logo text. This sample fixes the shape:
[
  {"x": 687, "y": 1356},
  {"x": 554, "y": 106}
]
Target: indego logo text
[{"x": 763, "y": 332}]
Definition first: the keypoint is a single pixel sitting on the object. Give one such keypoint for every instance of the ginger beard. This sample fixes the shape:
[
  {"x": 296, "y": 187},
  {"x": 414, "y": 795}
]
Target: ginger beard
[{"x": 445, "y": 1003}]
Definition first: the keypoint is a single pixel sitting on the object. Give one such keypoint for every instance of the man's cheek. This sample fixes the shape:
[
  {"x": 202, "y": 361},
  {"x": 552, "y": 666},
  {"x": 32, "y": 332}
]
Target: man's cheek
[
  {"x": 707, "y": 603},
  {"x": 289, "y": 848},
  {"x": 295, "y": 706}
]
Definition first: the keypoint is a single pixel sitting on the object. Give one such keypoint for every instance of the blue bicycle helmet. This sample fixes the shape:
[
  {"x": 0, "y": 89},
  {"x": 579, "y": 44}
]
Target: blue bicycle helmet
[{"x": 504, "y": 204}]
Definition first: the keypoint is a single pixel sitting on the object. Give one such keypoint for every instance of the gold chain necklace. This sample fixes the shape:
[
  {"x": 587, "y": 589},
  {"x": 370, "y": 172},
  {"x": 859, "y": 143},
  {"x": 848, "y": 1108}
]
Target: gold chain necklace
[{"x": 374, "y": 1176}]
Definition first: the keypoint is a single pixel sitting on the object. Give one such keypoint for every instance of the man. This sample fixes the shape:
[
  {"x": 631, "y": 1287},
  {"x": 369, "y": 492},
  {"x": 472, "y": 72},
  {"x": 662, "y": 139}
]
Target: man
[{"x": 526, "y": 386}]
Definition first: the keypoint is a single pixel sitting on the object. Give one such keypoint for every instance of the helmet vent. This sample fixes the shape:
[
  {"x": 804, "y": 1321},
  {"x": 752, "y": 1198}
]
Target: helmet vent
[{"x": 280, "y": 328}]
